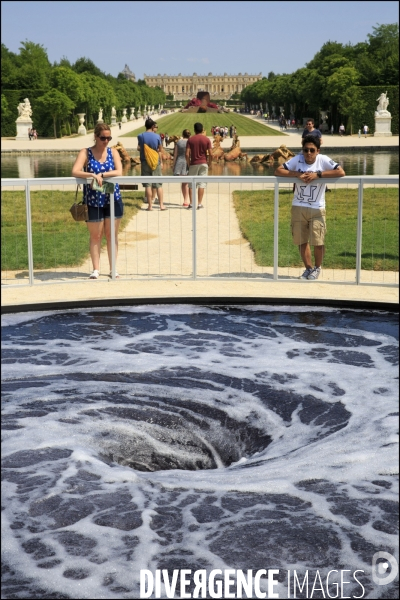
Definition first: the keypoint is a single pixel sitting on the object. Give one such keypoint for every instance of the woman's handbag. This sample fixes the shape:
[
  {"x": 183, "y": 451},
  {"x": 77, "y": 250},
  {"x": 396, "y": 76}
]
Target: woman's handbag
[{"x": 79, "y": 211}]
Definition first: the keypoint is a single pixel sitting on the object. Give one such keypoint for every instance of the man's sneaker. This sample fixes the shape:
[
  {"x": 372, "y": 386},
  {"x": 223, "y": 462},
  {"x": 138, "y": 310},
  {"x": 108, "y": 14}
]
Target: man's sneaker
[
  {"x": 189, "y": 207},
  {"x": 200, "y": 206},
  {"x": 314, "y": 274},
  {"x": 306, "y": 273}
]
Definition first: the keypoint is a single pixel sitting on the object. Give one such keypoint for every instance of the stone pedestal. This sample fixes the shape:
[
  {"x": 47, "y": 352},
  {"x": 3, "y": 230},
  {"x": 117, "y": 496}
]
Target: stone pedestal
[
  {"x": 113, "y": 121},
  {"x": 383, "y": 125},
  {"x": 124, "y": 117},
  {"x": 23, "y": 124}
]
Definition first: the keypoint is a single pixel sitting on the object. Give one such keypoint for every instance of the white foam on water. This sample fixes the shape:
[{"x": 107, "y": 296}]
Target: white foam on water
[{"x": 81, "y": 523}]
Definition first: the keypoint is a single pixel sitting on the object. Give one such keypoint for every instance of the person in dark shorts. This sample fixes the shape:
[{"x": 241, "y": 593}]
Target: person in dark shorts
[
  {"x": 153, "y": 140},
  {"x": 198, "y": 158},
  {"x": 98, "y": 163}
]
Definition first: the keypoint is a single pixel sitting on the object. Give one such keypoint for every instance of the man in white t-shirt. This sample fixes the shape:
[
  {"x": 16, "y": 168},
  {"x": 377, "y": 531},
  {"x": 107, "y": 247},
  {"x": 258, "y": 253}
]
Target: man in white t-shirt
[{"x": 308, "y": 206}]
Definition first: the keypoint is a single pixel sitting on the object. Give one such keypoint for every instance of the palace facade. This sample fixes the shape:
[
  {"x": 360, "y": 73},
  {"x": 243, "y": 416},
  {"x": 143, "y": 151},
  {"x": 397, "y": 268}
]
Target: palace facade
[{"x": 186, "y": 86}]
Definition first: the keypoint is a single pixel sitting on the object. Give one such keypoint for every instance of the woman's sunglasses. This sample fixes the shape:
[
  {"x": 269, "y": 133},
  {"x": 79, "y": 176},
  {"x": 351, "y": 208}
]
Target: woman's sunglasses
[{"x": 105, "y": 138}]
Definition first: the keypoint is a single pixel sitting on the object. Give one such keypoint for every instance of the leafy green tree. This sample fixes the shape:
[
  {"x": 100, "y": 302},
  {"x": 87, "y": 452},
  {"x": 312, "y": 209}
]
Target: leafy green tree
[
  {"x": 331, "y": 79},
  {"x": 340, "y": 81},
  {"x": 4, "y": 106},
  {"x": 342, "y": 88},
  {"x": 85, "y": 65},
  {"x": 384, "y": 48},
  {"x": 64, "y": 62},
  {"x": 98, "y": 93},
  {"x": 68, "y": 82},
  {"x": 57, "y": 104},
  {"x": 35, "y": 68},
  {"x": 9, "y": 69}
]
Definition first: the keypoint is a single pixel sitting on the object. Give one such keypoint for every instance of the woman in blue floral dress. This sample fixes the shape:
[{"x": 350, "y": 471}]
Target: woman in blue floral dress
[{"x": 100, "y": 162}]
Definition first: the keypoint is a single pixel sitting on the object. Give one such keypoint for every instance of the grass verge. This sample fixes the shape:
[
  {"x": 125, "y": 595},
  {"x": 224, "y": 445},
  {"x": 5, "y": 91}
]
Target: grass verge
[
  {"x": 174, "y": 124},
  {"x": 57, "y": 240},
  {"x": 380, "y": 229}
]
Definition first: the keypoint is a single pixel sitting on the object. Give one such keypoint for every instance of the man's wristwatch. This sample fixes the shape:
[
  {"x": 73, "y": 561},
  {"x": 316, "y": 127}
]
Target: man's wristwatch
[{"x": 319, "y": 174}]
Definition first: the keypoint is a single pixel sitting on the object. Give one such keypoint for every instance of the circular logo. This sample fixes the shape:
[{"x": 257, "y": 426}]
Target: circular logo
[{"x": 384, "y": 568}]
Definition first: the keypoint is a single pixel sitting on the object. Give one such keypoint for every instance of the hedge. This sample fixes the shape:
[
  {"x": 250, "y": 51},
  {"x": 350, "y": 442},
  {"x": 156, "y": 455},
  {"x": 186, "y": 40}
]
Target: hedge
[{"x": 367, "y": 116}]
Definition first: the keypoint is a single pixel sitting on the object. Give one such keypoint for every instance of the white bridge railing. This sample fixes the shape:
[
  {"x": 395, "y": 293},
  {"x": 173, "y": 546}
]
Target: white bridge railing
[{"x": 183, "y": 244}]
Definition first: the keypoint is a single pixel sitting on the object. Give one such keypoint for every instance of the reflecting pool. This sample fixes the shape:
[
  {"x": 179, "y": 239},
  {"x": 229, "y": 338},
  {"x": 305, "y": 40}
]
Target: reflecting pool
[{"x": 379, "y": 162}]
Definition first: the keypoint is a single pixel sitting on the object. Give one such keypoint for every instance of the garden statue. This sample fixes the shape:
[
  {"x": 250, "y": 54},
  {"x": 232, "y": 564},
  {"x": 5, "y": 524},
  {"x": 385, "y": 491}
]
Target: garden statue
[
  {"x": 113, "y": 116},
  {"x": 100, "y": 119},
  {"x": 383, "y": 103},
  {"x": 383, "y": 118},
  {"x": 24, "y": 110},
  {"x": 24, "y": 120},
  {"x": 323, "y": 125}
]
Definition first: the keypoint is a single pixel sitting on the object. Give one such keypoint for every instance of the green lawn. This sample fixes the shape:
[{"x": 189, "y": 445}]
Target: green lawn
[
  {"x": 380, "y": 241},
  {"x": 58, "y": 240},
  {"x": 175, "y": 123}
]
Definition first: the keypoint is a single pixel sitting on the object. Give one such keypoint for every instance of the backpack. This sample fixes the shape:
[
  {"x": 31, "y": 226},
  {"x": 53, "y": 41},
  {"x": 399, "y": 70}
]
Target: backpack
[{"x": 151, "y": 156}]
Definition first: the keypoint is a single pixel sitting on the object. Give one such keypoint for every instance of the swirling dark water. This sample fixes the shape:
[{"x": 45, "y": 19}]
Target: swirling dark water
[{"x": 196, "y": 438}]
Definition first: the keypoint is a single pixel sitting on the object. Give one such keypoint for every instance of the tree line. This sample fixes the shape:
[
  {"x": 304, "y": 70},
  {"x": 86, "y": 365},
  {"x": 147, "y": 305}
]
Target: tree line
[
  {"x": 59, "y": 92},
  {"x": 336, "y": 80}
]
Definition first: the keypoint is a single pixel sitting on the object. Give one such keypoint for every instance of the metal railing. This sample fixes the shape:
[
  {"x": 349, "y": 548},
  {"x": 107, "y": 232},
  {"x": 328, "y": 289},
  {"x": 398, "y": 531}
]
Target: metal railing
[{"x": 242, "y": 183}]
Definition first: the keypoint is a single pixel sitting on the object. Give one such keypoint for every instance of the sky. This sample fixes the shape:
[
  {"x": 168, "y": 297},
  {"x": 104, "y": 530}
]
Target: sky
[{"x": 187, "y": 37}]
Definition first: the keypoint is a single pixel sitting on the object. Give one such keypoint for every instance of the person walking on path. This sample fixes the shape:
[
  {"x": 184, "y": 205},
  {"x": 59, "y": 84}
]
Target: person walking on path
[
  {"x": 98, "y": 163},
  {"x": 152, "y": 140},
  {"x": 308, "y": 207},
  {"x": 310, "y": 130},
  {"x": 365, "y": 130},
  {"x": 342, "y": 129},
  {"x": 180, "y": 165},
  {"x": 198, "y": 158}
]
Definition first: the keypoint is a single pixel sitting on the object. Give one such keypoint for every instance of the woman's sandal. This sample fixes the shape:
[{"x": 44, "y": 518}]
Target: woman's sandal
[{"x": 94, "y": 275}]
